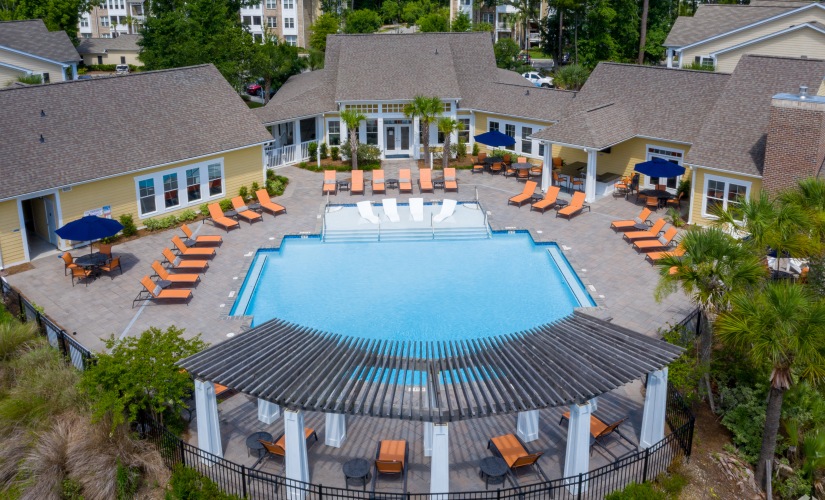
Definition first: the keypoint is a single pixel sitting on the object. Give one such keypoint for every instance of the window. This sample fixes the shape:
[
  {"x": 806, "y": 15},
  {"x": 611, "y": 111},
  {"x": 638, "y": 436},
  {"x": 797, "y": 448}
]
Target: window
[
  {"x": 394, "y": 108},
  {"x": 704, "y": 61},
  {"x": 215, "y": 179},
  {"x": 104, "y": 20},
  {"x": 271, "y": 4},
  {"x": 372, "y": 132},
  {"x": 289, "y": 4},
  {"x": 193, "y": 184},
  {"x": 488, "y": 17},
  {"x": 122, "y": 59},
  {"x": 289, "y": 23},
  {"x": 170, "y": 190},
  {"x": 271, "y": 22},
  {"x": 440, "y": 137},
  {"x": 256, "y": 20},
  {"x": 247, "y": 20},
  {"x": 146, "y": 194},
  {"x": 526, "y": 144},
  {"x": 88, "y": 35},
  {"x": 45, "y": 77},
  {"x": 492, "y": 126},
  {"x": 84, "y": 23},
  {"x": 334, "y": 132},
  {"x": 510, "y": 130},
  {"x": 137, "y": 9},
  {"x": 291, "y": 40},
  {"x": 464, "y": 135},
  {"x": 448, "y": 107},
  {"x": 105, "y": 35},
  {"x": 723, "y": 192},
  {"x": 363, "y": 108},
  {"x": 672, "y": 155},
  {"x": 541, "y": 149}
]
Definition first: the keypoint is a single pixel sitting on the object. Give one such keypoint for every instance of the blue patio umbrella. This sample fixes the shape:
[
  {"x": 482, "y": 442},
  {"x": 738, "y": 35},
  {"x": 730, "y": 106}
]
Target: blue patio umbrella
[
  {"x": 495, "y": 139},
  {"x": 658, "y": 167},
  {"x": 89, "y": 228}
]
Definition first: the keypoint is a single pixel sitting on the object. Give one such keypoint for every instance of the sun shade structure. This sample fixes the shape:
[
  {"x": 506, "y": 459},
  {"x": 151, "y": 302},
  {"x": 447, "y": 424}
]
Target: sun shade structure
[
  {"x": 89, "y": 228},
  {"x": 658, "y": 167},
  {"x": 495, "y": 139},
  {"x": 560, "y": 363}
]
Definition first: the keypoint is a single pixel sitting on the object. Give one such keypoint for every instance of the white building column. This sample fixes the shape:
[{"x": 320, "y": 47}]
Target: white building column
[
  {"x": 416, "y": 142},
  {"x": 528, "y": 425},
  {"x": 653, "y": 418},
  {"x": 577, "y": 456},
  {"x": 440, "y": 465},
  {"x": 206, "y": 413},
  {"x": 669, "y": 57},
  {"x": 74, "y": 71},
  {"x": 296, "y": 136},
  {"x": 590, "y": 181},
  {"x": 547, "y": 167},
  {"x": 268, "y": 412},
  {"x": 428, "y": 439},
  {"x": 381, "y": 135},
  {"x": 297, "y": 464},
  {"x": 335, "y": 429}
]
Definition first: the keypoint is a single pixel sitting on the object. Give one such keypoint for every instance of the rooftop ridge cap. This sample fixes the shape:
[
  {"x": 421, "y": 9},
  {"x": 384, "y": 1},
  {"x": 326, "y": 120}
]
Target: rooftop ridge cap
[{"x": 128, "y": 75}]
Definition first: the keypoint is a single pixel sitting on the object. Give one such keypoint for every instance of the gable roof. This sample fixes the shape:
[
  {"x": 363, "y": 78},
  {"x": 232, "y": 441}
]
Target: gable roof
[
  {"x": 812, "y": 25},
  {"x": 153, "y": 125},
  {"x": 305, "y": 94},
  {"x": 32, "y": 37},
  {"x": 103, "y": 45},
  {"x": 734, "y": 134}
]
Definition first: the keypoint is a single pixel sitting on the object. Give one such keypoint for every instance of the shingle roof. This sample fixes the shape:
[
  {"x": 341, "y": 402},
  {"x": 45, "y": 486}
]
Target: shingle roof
[
  {"x": 305, "y": 94},
  {"x": 32, "y": 37},
  {"x": 734, "y": 133},
  {"x": 112, "y": 126},
  {"x": 101, "y": 45},
  {"x": 513, "y": 99},
  {"x": 715, "y": 19},
  {"x": 620, "y": 101}
]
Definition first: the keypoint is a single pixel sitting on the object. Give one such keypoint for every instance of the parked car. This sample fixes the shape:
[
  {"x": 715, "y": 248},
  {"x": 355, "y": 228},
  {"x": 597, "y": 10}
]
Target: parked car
[
  {"x": 538, "y": 80},
  {"x": 254, "y": 89},
  {"x": 122, "y": 69}
]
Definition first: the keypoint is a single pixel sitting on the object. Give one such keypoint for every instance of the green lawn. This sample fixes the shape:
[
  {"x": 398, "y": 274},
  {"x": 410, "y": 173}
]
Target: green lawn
[
  {"x": 536, "y": 53},
  {"x": 253, "y": 104}
]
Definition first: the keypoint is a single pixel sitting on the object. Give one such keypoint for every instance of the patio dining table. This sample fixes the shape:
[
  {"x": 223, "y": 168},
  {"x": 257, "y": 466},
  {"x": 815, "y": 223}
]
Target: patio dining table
[
  {"x": 91, "y": 260},
  {"x": 488, "y": 162},
  {"x": 662, "y": 195}
]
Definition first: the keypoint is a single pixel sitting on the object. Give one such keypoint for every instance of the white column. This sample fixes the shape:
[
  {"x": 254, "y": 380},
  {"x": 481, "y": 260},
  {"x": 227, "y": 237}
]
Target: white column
[
  {"x": 268, "y": 412},
  {"x": 335, "y": 430},
  {"x": 669, "y": 58},
  {"x": 380, "y": 128},
  {"x": 428, "y": 439},
  {"x": 590, "y": 181},
  {"x": 297, "y": 465},
  {"x": 74, "y": 71},
  {"x": 206, "y": 413},
  {"x": 528, "y": 425},
  {"x": 416, "y": 142},
  {"x": 577, "y": 456},
  {"x": 440, "y": 466},
  {"x": 653, "y": 418},
  {"x": 296, "y": 136},
  {"x": 547, "y": 168}
]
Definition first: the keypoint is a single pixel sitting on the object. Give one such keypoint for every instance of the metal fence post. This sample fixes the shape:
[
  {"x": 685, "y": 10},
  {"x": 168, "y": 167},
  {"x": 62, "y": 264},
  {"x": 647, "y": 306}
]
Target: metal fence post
[
  {"x": 579, "y": 488},
  {"x": 181, "y": 449},
  {"x": 243, "y": 480},
  {"x": 21, "y": 310},
  {"x": 644, "y": 468},
  {"x": 320, "y": 491}
]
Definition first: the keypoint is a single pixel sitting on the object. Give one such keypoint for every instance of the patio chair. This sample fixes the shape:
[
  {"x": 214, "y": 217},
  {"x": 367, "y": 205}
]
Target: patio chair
[
  {"x": 404, "y": 181},
  {"x": 357, "y": 182},
  {"x": 523, "y": 197},
  {"x": 522, "y": 174},
  {"x": 111, "y": 265},
  {"x": 267, "y": 204},
  {"x": 481, "y": 157},
  {"x": 478, "y": 167},
  {"x": 417, "y": 209},
  {"x": 68, "y": 263},
  {"x": 378, "y": 182},
  {"x": 509, "y": 171},
  {"x": 330, "y": 185},
  {"x": 450, "y": 182},
  {"x": 191, "y": 239},
  {"x": 516, "y": 455},
  {"x": 277, "y": 448},
  {"x": 391, "y": 458},
  {"x": 652, "y": 202},
  {"x": 177, "y": 278},
  {"x": 557, "y": 162},
  {"x": 576, "y": 205},
  {"x": 625, "y": 225},
  {"x": 365, "y": 211},
  {"x": 522, "y": 159},
  {"x": 447, "y": 209},
  {"x": 661, "y": 187},
  {"x": 391, "y": 209},
  {"x": 177, "y": 264},
  {"x": 105, "y": 249},
  {"x": 654, "y": 257},
  {"x": 535, "y": 170},
  {"x": 217, "y": 216},
  {"x": 549, "y": 201},
  {"x": 556, "y": 179},
  {"x": 622, "y": 188},
  {"x": 576, "y": 181},
  {"x": 185, "y": 251},
  {"x": 506, "y": 159},
  {"x": 425, "y": 180},
  {"x": 650, "y": 234},
  {"x": 496, "y": 168},
  {"x": 599, "y": 430},
  {"x": 81, "y": 273},
  {"x": 153, "y": 291},
  {"x": 660, "y": 243},
  {"x": 244, "y": 212},
  {"x": 675, "y": 202}
]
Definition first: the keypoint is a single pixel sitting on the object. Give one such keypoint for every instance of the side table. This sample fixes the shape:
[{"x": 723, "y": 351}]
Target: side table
[
  {"x": 357, "y": 469},
  {"x": 253, "y": 442},
  {"x": 493, "y": 471},
  {"x": 391, "y": 183}
]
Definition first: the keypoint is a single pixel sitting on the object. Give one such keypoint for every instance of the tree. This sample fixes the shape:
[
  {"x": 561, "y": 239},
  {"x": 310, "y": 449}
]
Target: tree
[
  {"x": 274, "y": 62},
  {"x": 140, "y": 374},
  {"x": 58, "y": 15},
  {"x": 426, "y": 109},
  {"x": 353, "y": 120},
  {"x": 526, "y": 10},
  {"x": 434, "y": 22},
  {"x": 506, "y": 51},
  {"x": 561, "y": 7},
  {"x": 782, "y": 328},
  {"x": 325, "y": 25},
  {"x": 712, "y": 268},
  {"x": 571, "y": 77},
  {"x": 643, "y": 32},
  {"x": 362, "y": 21},
  {"x": 448, "y": 126},
  {"x": 390, "y": 11},
  {"x": 461, "y": 23}
]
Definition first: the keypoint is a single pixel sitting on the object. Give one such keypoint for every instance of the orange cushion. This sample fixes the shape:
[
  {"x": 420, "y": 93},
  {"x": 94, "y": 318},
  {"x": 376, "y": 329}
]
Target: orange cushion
[
  {"x": 392, "y": 450},
  {"x": 509, "y": 448}
]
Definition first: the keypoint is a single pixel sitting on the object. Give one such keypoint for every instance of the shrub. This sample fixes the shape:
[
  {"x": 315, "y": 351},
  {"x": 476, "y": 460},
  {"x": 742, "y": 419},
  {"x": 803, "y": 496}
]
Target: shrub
[
  {"x": 255, "y": 188},
  {"x": 743, "y": 413},
  {"x": 312, "y": 149},
  {"x": 30, "y": 79},
  {"x": 127, "y": 480},
  {"x": 226, "y": 204},
  {"x": 276, "y": 186},
  {"x": 334, "y": 152},
  {"x": 188, "y": 484},
  {"x": 187, "y": 215},
  {"x": 152, "y": 224},
  {"x": 475, "y": 149},
  {"x": 243, "y": 192},
  {"x": 270, "y": 174},
  {"x": 324, "y": 151},
  {"x": 162, "y": 223},
  {"x": 203, "y": 208},
  {"x": 368, "y": 155},
  {"x": 129, "y": 226},
  {"x": 459, "y": 148}
]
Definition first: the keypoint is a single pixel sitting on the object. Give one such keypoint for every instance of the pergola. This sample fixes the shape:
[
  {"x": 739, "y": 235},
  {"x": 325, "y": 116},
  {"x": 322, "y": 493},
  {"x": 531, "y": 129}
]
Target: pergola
[{"x": 565, "y": 363}]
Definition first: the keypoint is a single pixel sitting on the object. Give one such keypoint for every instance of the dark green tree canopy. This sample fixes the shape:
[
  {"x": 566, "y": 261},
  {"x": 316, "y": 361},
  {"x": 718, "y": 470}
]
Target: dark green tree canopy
[
  {"x": 362, "y": 21},
  {"x": 462, "y": 23},
  {"x": 506, "y": 51},
  {"x": 434, "y": 22},
  {"x": 58, "y": 15},
  {"x": 327, "y": 24}
]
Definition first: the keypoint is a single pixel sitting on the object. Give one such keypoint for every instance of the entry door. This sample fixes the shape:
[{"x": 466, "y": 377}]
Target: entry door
[
  {"x": 51, "y": 220},
  {"x": 404, "y": 138},
  {"x": 391, "y": 137}
]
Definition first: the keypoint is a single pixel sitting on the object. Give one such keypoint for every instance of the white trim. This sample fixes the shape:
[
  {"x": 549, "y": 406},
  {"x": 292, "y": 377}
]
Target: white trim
[
  {"x": 766, "y": 37},
  {"x": 692, "y": 194},
  {"x": 649, "y": 156},
  {"x": 723, "y": 171},
  {"x": 727, "y": 181},
  {"x": 297, "y": 118},
  {"x": 496, "y": 113},
  {"x": 39, "y": 58},
  {"x": 517, "y": 135},
  {"x": 16, "y": 68},
  {"x": 183, "y": 203},
  {"x": 22, "y": 230}
]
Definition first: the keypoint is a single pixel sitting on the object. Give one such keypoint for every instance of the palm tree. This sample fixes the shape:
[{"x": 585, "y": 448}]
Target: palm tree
[
  {"x": 353, "y": 120},
  {"x": 713, "y": 266},
  {"x": 447, "y": 126},
  {"x": 810, "y": 195},
  {"x": 526, "y": 10},
  {"x": 781, "y": 327},
  {"x": 427, "y": 109}
]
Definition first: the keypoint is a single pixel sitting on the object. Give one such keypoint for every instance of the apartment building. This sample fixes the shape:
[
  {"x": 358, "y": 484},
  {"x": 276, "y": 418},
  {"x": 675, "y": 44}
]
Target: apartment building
[
  {"x": 113, "y": 17},
  {"x": 502, "y": 17}
]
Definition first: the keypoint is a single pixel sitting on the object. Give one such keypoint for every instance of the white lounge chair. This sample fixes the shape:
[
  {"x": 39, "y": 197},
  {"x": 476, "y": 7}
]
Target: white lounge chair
[
  {"x": 447, "y": 209},
  {"x": 391, "y": 209},
  {"x": 417, "y": 209},
  {"x": 365, "y": 210}
]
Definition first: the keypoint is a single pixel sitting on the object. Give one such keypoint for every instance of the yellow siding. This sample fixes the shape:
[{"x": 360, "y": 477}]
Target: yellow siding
[
  {"x": 113, "y": 57},
  {"x": 11, "y": 238},
  {"x": 9, "y": 76},
  {"x": 622, "y": 157},
  {"x": 55, "y": 71},
  {"x": 698, "y": 189},
  {"x": 481, "y": 124},
  {"x": 804, "y": 42}
]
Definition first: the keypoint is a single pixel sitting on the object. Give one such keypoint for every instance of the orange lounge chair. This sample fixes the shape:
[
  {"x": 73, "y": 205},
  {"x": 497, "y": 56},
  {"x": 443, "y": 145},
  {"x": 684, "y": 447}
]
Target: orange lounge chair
[
  {"x": 330, "y": 185},
  {"x": 450, "y": 182},
  {"x": 184, "y": 251},
  {"x": 404, "y": 181},
  {"x": 178, "y": 264},
  {"x": 600, "y": 430},
  {"x": 650, "y": 234},
  {"x": 357, "y": 182},
  {"x": 654, "y": 257},
  {"x": 425, "y": 180},
  {"x": 549, "y": 200},
  {"x": 514, "y": 453},
  {"x": 391, "y": 458},
  {"x": 576, "y": 205},
  {"x": 277, "y": 448},
  {"x": 201, "y": 239},
  {"x": 244, "y": 212},
  {"x": 267, "y": 204},
  {"x": 660, "y": 243},
  {"x": 626, "y": 225},
  {"x": 378, "y": 182},
  {"x": 153, "y": 291},
  {"x": 217, "y": 216},
  {"x": 175, "y": 279},
  {"x": 523, "y": 197}
]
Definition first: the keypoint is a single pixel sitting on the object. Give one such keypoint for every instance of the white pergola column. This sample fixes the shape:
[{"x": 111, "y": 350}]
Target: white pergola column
[
  {"x": 206, "y": 413},
  {"x": 669, "y": 58},
  {"x": 381, "y": 136},
  {"x": 577, "y": 456},
  {"x": 547, "y": 168},
  {"x": 440, "y": 466},
  {"x": 653, "y": 418},
  {"x": 335, "y": 429},
  {"x": 416, "y": 142},
  {"x": 428, "y": 439},
  {"x": 268, "y": 412},
  {"x": 297, "y": 464},
  {"x": 528, "y": 425},
  {"x": 590, "y": 181}
]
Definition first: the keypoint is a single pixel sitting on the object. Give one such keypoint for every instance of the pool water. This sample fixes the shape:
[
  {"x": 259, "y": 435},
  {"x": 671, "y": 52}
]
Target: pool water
[{"x": 424, "y": 290}]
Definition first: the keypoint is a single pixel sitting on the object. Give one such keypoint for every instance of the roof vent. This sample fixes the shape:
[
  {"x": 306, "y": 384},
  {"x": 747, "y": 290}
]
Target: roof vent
[
  {"x": 42, "y": 113},
  {"x": 527, "y": 92},
  {"x": 42, "y": 139},
  {"x": 803, "y": 91},
  {"x": 436, "y": 51}
]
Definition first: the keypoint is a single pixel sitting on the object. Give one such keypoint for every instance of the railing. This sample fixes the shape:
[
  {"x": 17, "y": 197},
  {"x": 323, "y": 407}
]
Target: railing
[{"x": 286, "y": 155}]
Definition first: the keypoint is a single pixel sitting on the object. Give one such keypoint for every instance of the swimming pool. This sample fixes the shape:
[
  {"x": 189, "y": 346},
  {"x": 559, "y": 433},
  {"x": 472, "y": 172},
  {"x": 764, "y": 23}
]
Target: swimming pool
[{"x": 422, "y": 290}]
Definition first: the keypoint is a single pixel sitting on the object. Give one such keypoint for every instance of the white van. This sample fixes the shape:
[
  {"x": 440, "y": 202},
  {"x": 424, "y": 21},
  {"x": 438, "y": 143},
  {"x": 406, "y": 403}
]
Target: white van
[{"x": 122, "y": 69}]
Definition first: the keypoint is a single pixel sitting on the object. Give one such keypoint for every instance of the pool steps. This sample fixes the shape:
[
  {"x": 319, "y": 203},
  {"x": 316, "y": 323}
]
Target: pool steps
[{"x": 406, "y": 234}]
